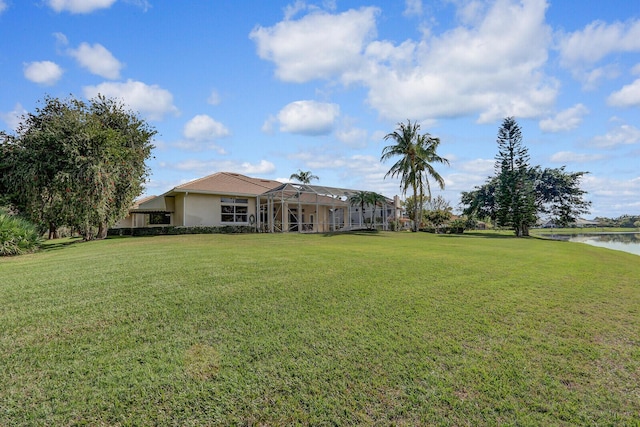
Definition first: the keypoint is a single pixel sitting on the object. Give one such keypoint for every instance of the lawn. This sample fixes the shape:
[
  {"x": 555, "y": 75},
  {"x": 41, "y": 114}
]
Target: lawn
[{"x": 281, "y": 329}]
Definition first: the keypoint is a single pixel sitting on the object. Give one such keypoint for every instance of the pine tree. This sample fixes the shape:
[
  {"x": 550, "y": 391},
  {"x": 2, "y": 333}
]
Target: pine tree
[{"x": 515, "y": 196}]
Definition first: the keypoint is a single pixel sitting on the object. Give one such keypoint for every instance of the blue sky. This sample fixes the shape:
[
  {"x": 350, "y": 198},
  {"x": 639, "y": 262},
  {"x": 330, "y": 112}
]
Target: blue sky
[{"x": 267, "y": 88}]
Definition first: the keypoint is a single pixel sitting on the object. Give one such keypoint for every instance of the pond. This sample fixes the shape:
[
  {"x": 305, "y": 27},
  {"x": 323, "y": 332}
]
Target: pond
[{"x": 626, "y": 242}]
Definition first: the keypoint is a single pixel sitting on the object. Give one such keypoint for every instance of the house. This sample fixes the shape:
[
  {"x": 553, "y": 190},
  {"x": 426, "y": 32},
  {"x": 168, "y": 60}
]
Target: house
[{"x": 232, "y": 199}]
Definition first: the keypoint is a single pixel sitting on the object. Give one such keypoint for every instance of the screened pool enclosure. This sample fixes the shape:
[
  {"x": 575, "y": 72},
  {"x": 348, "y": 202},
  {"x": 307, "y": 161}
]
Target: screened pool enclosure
[{"x": 308, "y": 208}]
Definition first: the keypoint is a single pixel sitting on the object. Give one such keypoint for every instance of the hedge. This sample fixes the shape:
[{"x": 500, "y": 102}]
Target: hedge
[{"x": 173, "y": 230}]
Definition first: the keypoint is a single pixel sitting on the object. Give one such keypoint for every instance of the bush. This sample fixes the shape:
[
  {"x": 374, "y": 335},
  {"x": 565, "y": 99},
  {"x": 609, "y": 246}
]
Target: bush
[{"x": 17, "y": 236}]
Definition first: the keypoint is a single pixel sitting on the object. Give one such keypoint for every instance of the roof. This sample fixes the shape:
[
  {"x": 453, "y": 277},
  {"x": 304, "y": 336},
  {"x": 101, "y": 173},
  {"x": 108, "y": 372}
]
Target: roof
[
  {"x": 306, "y": 193},
  {"x": 137, "y": 203},
  {"x": 151, "y": 204},
  {"x": 227, "y": 183}
]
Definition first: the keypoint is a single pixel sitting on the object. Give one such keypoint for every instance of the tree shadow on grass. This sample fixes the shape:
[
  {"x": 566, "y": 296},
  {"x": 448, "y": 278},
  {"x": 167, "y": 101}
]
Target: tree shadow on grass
[
  {"x": 359, "y": 232},
  {"x": 484, "y": 235},
  {"x": 56, "y": 244}
]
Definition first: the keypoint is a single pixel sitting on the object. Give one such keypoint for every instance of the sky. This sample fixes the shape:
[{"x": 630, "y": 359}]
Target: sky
[{"x": 267, "y": 88}]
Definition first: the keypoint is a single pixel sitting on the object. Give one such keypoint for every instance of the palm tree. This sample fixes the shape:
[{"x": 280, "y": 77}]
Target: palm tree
[
  {"x": 360, "y": 198},
  {"x": 375, "y": 199},
  {"x": 429, "y": 145},
  {"x": 416, "y": 153},
  {"x": 303, "y": 177}
]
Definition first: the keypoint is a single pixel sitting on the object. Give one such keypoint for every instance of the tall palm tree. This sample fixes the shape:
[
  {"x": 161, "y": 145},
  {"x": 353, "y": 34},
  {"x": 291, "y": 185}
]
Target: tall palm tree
[
  {"x": 428, "y": 146},
  {"x": 416, "y": 153},
  {"x": 303, "y": 177}
]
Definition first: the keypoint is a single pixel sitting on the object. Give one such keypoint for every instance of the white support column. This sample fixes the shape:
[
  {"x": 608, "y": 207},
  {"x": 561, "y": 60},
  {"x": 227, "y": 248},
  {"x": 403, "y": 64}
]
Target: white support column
[{"x": 184, "y": 209}]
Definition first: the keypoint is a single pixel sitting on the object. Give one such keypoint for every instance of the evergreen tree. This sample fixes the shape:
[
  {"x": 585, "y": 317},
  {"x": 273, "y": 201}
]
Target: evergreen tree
[
  {"x": 515, "y": 196},
  {"x": 519, "y": 193}
]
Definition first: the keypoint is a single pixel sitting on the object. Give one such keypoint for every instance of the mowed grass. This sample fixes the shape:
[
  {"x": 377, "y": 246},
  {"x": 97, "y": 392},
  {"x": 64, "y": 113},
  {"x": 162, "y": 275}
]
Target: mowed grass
[{"x": 358, "y": 329}]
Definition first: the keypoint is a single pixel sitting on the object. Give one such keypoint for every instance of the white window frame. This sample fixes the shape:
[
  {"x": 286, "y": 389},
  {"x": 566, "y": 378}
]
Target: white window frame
[{"x": 234, "y": 210}]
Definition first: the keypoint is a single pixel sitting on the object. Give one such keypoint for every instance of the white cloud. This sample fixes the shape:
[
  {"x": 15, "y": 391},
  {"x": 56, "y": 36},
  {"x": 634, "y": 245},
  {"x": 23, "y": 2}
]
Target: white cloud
[
  {"x": 3, "y": 6},
  {"x": 482, "y": 167},
  {"x": 350, "y": 135},
  {"x": 143, "y": 4},
  {"x": 621, "y": 135},
  {"x": 79, "y": 6},
  {"x": 43, "y": 72},
  {"x": 413, "y": 8},
  {"x": 317, "y": 46},
  {"x": 293, "y": 9},
  {"x": 493, "y": 66},
  {"x": 14, "y": 117},
  {"x": 619, "y": 196},
  {"x": 628, "y": 96},
  {"x": 203, "y": 167},
  {"x": 590, "y": 79},
  {"x": 571, "y": 157},
  {"x": 214, "y": 98},
  {"x": 597, "y": 40},
  {"x": 97, "y": 59},
  {"x": 150, "y": 100},
  {"x": 566, "y": 120},
  {"x": 308, "y": 117},
  {"x": 61, "y": 39},
  {"x": 470, "y": 12},
  {"x": 267, "y": 126},
  {"x": 353, "y": 137},
  {"x": 204, "y": 128}
]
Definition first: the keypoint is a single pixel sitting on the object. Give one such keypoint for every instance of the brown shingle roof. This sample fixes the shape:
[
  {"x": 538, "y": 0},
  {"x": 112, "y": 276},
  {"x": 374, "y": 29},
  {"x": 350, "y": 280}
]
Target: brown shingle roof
[{"x": 228, "y": 183}]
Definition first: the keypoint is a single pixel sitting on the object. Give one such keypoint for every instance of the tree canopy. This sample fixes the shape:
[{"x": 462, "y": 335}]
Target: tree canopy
[
  {"x": 76, "y": 164},
  {"x": 519, "y": 194}
]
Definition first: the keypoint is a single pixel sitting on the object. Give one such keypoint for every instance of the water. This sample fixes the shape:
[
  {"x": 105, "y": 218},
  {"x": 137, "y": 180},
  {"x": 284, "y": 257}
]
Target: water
[{"x": 626, "y": 242}]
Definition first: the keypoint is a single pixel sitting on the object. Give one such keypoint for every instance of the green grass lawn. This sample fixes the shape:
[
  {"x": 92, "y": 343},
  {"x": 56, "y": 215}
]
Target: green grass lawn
[{"x": 281, "y": 329}]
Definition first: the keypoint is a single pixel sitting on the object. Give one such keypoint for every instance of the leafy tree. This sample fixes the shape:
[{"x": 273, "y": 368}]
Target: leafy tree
[
  {"x": 416, "y": 152},
  {"x": 438, "y": 212},
  {"x": 304, "y": 177},
  {"x": 519, "y": 193},
  {"x": 78, "y": 164},
  {"x": 409, "y": 205},
  {"x": 481, "y": 202},
  {"x": 558, "y": 194}
]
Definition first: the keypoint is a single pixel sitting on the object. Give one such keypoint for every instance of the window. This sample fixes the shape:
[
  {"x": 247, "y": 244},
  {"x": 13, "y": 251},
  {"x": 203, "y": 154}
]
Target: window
[
  {"x": 234, "y": 210},
  {"x": 159, "y": 218}
]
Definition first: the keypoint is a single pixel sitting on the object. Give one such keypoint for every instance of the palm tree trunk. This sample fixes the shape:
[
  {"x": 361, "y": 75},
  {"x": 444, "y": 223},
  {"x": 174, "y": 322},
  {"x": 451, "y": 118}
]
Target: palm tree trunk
[{"x": 417, "y": 212}]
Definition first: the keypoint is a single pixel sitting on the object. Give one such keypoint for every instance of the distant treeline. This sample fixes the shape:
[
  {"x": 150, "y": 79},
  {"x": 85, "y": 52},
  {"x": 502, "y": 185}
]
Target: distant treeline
[{"x": 624, "y": 221}]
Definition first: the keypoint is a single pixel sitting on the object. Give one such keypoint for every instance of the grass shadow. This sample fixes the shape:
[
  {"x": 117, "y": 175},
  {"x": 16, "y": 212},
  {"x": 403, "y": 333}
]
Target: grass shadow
[
  {"x": 54, "y": 245},
  {"x": 359, "y": 232},
  {"x": 485, "y": 235}
]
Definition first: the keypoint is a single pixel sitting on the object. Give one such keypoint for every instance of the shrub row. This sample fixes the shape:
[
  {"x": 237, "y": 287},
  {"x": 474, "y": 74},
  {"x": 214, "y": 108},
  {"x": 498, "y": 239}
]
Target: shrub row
[{"x": 174, "y": 230}]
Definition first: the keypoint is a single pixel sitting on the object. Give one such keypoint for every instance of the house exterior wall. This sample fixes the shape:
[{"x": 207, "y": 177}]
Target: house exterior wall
[
  {"x": 178, "y": 211},
  {"x": 192, "y": 209}
]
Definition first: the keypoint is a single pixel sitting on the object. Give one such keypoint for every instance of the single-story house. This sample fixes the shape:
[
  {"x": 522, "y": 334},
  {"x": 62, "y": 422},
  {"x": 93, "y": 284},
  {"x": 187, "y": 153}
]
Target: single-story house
[{"x": 227, "y": 198}]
